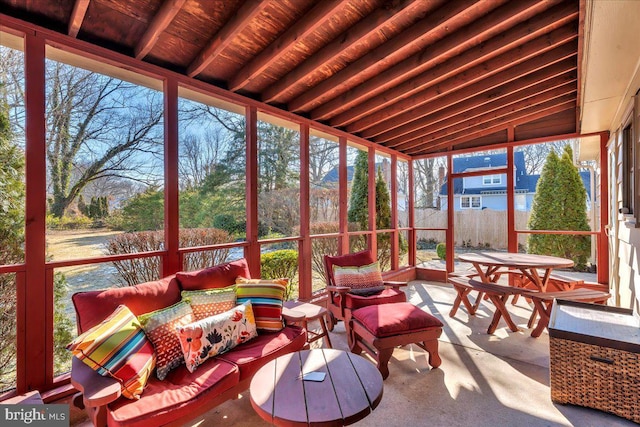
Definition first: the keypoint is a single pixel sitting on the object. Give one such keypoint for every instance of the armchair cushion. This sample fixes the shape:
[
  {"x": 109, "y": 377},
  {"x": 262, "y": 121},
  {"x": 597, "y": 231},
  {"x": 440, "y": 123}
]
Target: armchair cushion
[
  {"x": 217, "y": 334},
  {"x": 160, "y": 326},
  {"x": 387, "y": 296},
  {"x": 358, "y": 277},
  {"x": 219, "y": 276},
  {"x": 209, "y": 302},
  {"x": 118, "y": 348},
  {"x": 367, "y": 292}
]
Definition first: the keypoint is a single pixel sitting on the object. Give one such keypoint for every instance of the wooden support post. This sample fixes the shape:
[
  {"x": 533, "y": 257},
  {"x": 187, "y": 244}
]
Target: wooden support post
[
  {"x": 602, "y": 239},
  {"x": 171, "y": 262},
  {"x": 450, "y": 216},
  {"x": 343, "y": 184},
  {"x": 512, "y": 236},
  {"x": 412, "y": 219},
  {"x": 252, "y": 251},
  {"x": 36, "y": 320},
  {"x": 304, "y": 253},
  {"x": 373, "y": 237},
  {"x": 394, "y": 213}
]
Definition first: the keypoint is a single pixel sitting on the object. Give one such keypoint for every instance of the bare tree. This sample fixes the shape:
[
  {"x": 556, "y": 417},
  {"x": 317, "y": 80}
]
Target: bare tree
[
  {"x": 535, "y": 155},
  {"x": 323, "y": 156}
]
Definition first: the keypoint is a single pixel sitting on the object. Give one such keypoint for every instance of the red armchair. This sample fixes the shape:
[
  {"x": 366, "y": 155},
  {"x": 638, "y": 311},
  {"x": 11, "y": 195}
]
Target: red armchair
[{"x": 342, "y": 301}]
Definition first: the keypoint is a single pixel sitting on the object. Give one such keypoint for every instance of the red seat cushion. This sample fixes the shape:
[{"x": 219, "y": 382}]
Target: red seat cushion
[
  {"x": 387, "y": 296},
  {"x": 219, "y": 276},
  {"x": 251, "y": 355},
  {"x": 180, "y": 393},
  {"x": 94, "y": 306},
  {"x": 394, "y": 319}
]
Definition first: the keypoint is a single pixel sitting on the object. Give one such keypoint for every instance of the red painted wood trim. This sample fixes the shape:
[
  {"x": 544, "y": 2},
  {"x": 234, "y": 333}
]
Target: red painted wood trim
[
  {"x": 343, "y": 196},
  {"x": 395, "y": 252},
  {"x": 373, "y": 238},
  {"x": 252, "y": 251},
  {"x": 49, "y": 326},
  {"x": 602, "y": 240},
  {"x": 305, "y": 250},
  {"x": 12, "y": 268},
  {"x": 449, "y": 235},
  {"x": 21, "y": 332},
  {"x": 412, "y": 218},
  {"x": 512, "y": 236},
  {"x": 103, "y": 259},
  {"x": 172, "y": 262},
  {"x": 37, "y": 315}
]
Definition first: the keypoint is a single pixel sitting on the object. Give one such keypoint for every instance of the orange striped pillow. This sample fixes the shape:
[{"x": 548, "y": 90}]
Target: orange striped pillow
[
  {"x": 266, "y": 299},
  {"x": 117, "y": 347},
  {"x": 365, "y": 276}
]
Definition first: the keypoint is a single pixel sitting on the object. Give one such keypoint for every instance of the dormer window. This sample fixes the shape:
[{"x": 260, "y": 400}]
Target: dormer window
[{"x": 491, "y": 179}]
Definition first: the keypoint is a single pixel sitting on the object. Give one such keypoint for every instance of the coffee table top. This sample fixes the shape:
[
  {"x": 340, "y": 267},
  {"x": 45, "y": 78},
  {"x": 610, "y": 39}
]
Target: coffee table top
[{"x": 351, "y": 389}]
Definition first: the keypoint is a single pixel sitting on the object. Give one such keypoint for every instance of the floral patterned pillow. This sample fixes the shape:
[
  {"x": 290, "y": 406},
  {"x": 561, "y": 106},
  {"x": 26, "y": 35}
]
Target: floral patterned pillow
[{"x": 217, "y": 334}]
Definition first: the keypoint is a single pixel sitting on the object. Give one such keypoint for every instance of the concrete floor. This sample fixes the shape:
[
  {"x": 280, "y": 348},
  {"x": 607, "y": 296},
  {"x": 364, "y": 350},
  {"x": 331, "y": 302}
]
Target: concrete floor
[{"x": 484, "y": 380}]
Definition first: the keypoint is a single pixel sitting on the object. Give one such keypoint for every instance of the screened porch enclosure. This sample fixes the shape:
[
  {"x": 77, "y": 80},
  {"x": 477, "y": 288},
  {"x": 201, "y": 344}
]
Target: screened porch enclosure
[{"x": 191, "y": 153}]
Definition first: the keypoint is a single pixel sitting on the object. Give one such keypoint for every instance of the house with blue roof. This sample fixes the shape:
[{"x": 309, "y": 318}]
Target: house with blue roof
[{"x": 490, "y": 191}]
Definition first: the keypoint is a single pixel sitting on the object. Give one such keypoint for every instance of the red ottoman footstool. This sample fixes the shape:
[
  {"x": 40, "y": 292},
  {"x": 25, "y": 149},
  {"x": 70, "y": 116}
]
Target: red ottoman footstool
[{"x": 378, "y": 329}]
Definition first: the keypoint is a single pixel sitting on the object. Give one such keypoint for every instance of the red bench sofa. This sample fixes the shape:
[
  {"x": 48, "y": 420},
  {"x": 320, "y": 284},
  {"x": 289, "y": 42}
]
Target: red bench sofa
[{"x": 182, "y": 395}]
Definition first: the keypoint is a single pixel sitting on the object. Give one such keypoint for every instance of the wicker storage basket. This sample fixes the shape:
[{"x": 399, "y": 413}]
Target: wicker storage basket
[{"x": 588, "y": 365}]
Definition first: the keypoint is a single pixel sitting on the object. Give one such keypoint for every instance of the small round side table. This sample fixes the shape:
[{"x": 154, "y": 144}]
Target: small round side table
[{"x": 312, "y": 312}]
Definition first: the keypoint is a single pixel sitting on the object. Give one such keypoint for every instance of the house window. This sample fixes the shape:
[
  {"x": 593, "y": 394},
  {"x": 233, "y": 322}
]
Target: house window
[
  {"x": 491, "y": 179},
  {"x": 470, "y": 202}
]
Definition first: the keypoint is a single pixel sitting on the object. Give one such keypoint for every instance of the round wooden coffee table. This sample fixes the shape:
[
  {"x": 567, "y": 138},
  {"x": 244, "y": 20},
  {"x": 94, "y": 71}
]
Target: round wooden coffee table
[{"x": 351, "y": 389}]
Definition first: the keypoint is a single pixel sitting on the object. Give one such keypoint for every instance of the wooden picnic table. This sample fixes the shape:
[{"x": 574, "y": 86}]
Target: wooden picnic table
[{"x": 490, "y": 265}]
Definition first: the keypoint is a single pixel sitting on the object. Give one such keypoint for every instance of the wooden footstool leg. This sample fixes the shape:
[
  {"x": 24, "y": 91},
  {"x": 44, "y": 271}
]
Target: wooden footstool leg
[
  {"x": 383, "y": 356},
  {"x": 431, "y": 346}
]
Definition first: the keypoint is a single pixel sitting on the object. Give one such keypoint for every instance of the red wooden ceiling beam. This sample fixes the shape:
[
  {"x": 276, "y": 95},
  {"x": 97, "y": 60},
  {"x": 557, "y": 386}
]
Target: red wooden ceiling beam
[
  {"x": 226, "y": 35},
  {"x": 376, "y": 21},
  {"x": 532, "y": 113},
  {"x": 301, "y": 29},
  {"x": 544, "y": 79},
  {"x": 343, "y": 111},
  {"x": 477, "y": 117},
  {"x": 434, "y": 27},
  {"x": 159, "y": 23},
  {"x": 508, "y": 66},
  {"x": 77, "y": 16}
]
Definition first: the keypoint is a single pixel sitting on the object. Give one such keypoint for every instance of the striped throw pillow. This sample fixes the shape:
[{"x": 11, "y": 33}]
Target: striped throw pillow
[
  {"x": 160, "y": 326},
  {"x": 365, "y": 276},
  {"x": 209, "y": 302},
  {"x": 118, "y": 348},
  {"x": 266, "y": 299}
]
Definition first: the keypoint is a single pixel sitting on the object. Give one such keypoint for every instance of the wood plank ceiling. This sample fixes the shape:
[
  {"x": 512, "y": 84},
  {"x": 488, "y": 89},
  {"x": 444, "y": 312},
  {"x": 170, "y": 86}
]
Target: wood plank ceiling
[{"x": 419, "y": 76}]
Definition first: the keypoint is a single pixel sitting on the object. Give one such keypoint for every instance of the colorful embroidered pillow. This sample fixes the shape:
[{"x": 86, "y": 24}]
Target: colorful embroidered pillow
[
  {"x": 365, "y": 276},
  {"x": 117, "y": 347},
  {"x": 209, "y": 302},
  {"x": 217, "y": 334},
  {"x": 160, "y": 327},
  {"x": 266, "y": 299}
]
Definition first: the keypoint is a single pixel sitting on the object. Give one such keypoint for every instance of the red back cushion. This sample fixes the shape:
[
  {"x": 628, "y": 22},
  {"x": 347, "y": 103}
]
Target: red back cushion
[
  {"x": 94, "y": 306},
  {"x": 349, "y": 260},
  {"x": 219, "y": 276}
]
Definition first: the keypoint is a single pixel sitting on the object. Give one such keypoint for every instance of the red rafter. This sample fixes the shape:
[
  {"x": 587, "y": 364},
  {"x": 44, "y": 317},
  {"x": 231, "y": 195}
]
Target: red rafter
[
  {"x": 301, "y": 29},
  {"x": 376, "y": 21},
  {"x": 77, "y": 16},
  {"x": 453, "y": 50},
  {"x": 160, "y": 22},
  {"x": 226, "y": 35},
  {"x": 434, "y": 27}
]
